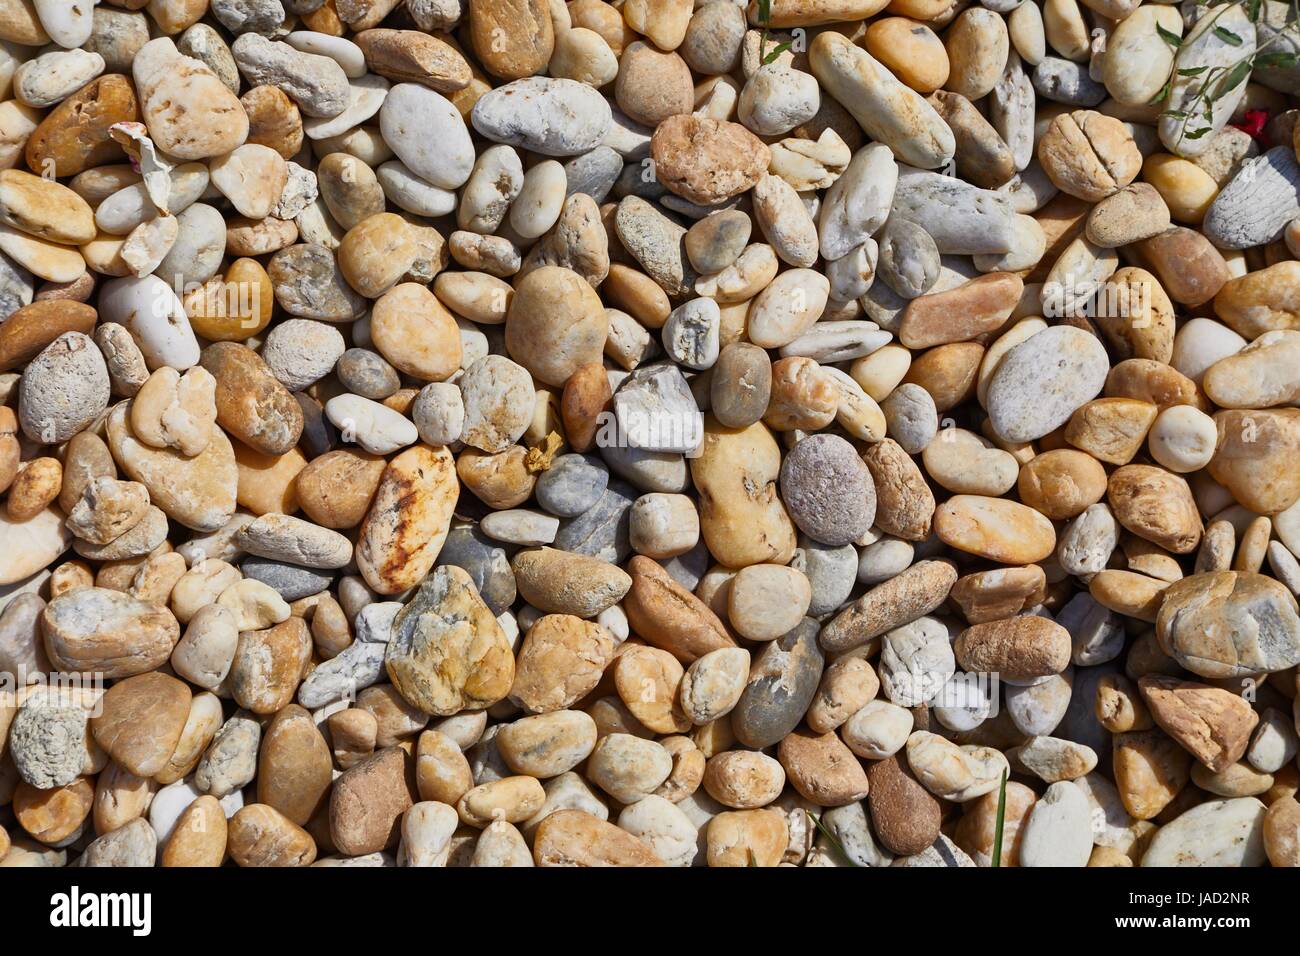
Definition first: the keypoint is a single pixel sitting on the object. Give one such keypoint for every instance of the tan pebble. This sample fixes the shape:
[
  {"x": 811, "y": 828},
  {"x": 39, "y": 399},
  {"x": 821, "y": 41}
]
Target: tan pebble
[
  {"x": 547, "y": 745},
  {"x": 977, "y": 306},
  {"x": 258, "y": 835},
  {"x": 1111, "y": 429},
  {"x": 268, "y": 666},
  {"x": 199, "y": 837},
  {"x": 1129, "y": 593},
  {"x": 335, "y": 489},
  {"x": 556, "y": 324},
  {"x": 1150, "y": 770},
  {"x": 647, "y": 680},
  {"x": 575, "y": 838},
  {"x": 712, "y": 685},
  {"x": 994, "y": 528},
  {"x": 560, "y": 661},
  {"x": 668, "y": 616},
  {"x": 911, "y": 50},
  {"x": 120, "y": 797},
  {"x": 1089, "y": 155},
  {"x": 904, "y": 815},
  {"x": 1061, "y": 483},
  {"x": 273, "y": 120},
  {"x": 822, "y": 769},
  {"x": 652, "y": 85},
  {"x": 367, "y": 802},
  {"x": 353, "y": 734},
  {"x": 976, "y": 832},
  {"x": 1019, "y": 648},
  {"x": 36, "y": 485},
  {"x": 141, "y": 721},
  {"x": 1155, "y": 505},
  {"x": 985, "y": 596},
  {"x": 1119, "y": 706},
  {"x": 743, "y": 779},
  {"x": 54, "y": 815},
  {"x": 767, "y": 600},
  {"x": 1186, "y": 189},
  {"x": 706, "y": 161}
]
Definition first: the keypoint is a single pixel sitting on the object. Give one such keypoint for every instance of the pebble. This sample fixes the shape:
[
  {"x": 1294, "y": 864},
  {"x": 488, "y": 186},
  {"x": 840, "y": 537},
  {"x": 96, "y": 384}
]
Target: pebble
[
  {"x": 827, "y": 519},
  {"x": 1043, "y": 380},
  {"x": 554, "y": 117},
  {"x": 888, "y": 111},
  {"x": 1215, "y": 833},
  {"x": 1057, "y": 831},
  {"x": 782, "y": 682}
]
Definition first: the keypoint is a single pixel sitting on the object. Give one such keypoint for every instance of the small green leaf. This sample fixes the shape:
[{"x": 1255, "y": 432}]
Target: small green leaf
[
  {"x": 764, "y": 11},
  {"x": 1227, "y": 36},
  {"x": 1001, "y": 818},
  {"x": 1162, "y": 95},
  {"x": 1252, "y": 9},
  {"x": 1283, "y": 60},
  {"x": 1197, "y": 133},
  {"x": 776, "y": 52},
  {"x": 1169, "y": 36},
  {"x": 1193, "y": 71},
  {"x": 1175, "y": 114},
  {"x": 1233, "y": 79}
]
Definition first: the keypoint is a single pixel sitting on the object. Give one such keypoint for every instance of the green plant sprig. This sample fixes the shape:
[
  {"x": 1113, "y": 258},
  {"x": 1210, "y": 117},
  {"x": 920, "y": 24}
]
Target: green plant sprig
[
  {"x": 765, "y": 18},
  {"x": 1221, "y": 80},
  {"x": 999, "y": 822},
  {"x": 832, "y": 839}
]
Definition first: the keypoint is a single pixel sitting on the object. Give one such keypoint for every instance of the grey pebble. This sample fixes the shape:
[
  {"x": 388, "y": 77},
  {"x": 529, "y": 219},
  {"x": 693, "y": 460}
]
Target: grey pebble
[
  {"x": 22, "y": 643},
  {"x": 572, "y": 484},
  {"x": 231, "y": 759},
  {"x": 601, "y": 531},
  {"x": 367, "y": 374},
  {"x": 17, "y": 286},
  {"x": 48, "y": 744},
  {"x": 962, "y": 219},
  {"x": 300, "y": 352},
  {"x": 133, "y": 844},
  {"x": 593, "y": 173},
  {"x": 663, "y": 471},
  {"x": 1080, "y": 722},
  {"x": 828, "y": 490},
  {"x": 1064, "y": 81},
  {"x": 542, "y": 114},
  {"x": 318, "y": 433},
  {"x": 290, "y": 581},
  {"x": 249, "y": 16},
  {"x": 655, "y": 241},
  {"x": 689, "y": 568},
  {"x": 316, "y": 83},
  {"x": 309, "y": 285},
  {"x": 117, "y": 36},
  {"x": 832, "y": 572},
  {"x": 782, "y": 682},
  {"x": 63, "y": 390},
  {"x": 206, "y": 45},
  {"x": 909, "y": 260},
  {"x": 1257, "y": 203},
  {"x": 486, "y": 561},
  {"x": 910, "y": 417},
  {"x": 1096, "y": 633},
  {"x": 635, "y": 180}
]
